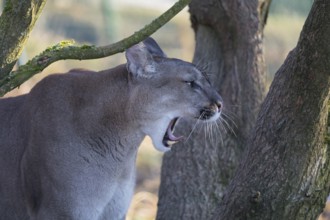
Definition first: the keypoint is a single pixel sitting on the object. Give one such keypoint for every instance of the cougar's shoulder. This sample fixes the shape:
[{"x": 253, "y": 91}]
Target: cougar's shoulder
[
  {"x": 70, "y": 144},
  {"x": 76, "y": 86}
]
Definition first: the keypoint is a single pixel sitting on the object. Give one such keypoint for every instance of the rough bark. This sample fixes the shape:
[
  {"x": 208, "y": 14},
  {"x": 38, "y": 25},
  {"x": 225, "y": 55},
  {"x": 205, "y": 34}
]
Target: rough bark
[
  {"x": 285, "y": 173},
  {"x": 229, "y": 47},
  {"x": 16, "y": 22}
]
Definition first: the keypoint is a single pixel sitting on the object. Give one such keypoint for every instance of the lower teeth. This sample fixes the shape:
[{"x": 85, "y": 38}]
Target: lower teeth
[{"x": 170, "y": 142}]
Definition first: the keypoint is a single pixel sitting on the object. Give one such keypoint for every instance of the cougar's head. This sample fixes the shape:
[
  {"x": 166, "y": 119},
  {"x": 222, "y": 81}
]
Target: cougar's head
[{"x": 166, "y": 89}]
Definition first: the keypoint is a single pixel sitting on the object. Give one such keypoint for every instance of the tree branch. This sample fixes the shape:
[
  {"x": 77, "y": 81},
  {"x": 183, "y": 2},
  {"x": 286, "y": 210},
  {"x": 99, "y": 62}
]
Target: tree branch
[
  {"x": 16, "y": 22},
  {"x": 67, "y": 50}
]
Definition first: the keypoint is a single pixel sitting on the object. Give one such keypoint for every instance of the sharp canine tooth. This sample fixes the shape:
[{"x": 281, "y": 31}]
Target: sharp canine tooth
[{"x": 171, "y": 142}]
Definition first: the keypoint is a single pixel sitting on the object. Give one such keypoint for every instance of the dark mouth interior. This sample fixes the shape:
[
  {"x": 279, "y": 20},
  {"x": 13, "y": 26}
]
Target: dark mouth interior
[
  {"x": 173, "y": 123},
  {"x": 169, "y": 138}
]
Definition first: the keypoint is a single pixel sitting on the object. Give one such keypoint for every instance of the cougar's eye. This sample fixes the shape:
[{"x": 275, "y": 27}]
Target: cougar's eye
[
  {"x": 193, "y": 84},
  {"x": 190, "y": 83}
]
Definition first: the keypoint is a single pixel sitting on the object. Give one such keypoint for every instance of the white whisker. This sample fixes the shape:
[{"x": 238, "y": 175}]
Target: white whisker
[
  {"x": 210, "y": 130},
  {"x": 230, "y": 119},
  {"x": 228, "y": 126},
  {"x": 231, "y": 113},
  {"x": 213, "y": 128},
  {"x": 222, "y": 126},
  {"x": 220, "y": 134},
  {"x": 194, "y": 127}
]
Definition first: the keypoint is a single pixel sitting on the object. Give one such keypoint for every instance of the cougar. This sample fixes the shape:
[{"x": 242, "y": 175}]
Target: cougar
[{"x": 68, "y": 147}]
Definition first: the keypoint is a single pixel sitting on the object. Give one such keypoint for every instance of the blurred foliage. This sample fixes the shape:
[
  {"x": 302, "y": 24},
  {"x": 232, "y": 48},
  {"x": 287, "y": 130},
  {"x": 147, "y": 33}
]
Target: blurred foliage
[
  {"x": 299, "y": 7},
  {"x": 281, "y": 36},
  {"x": 72, "y": 28},
  {"x": 282, "y": 31}
]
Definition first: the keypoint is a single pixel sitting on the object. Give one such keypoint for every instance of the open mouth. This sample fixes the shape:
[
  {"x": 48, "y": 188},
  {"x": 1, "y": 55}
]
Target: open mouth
[{"x": 169, "y": 138}]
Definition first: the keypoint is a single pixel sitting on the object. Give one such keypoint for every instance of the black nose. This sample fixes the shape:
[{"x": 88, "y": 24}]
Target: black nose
[
  {"x": 218, "y": 103},
  {"x": 212, "y": 109}
]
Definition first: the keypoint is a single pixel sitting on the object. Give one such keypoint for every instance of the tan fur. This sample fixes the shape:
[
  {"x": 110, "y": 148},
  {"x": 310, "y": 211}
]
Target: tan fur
[{"x": 68, "y": 148}]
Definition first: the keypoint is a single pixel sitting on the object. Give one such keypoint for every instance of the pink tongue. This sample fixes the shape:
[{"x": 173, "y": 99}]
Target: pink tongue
[{"x": 171, "y": 135}]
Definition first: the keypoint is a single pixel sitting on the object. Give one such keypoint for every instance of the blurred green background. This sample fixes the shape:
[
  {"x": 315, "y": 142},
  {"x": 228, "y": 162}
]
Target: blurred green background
[{"x": 102, "y": 22}]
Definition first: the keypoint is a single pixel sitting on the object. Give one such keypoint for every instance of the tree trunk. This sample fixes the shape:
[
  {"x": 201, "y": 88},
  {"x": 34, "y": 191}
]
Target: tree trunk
[
  {"x": 285, "y": 173},
  {"x": 16, "y": 22},
  {"x": 229, "y": 47}
]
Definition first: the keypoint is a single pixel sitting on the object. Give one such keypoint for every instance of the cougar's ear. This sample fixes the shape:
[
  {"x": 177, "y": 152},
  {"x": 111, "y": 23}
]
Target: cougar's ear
[
  {"x": 140, "y": 58},
  {"x": 153, "y": 47}
]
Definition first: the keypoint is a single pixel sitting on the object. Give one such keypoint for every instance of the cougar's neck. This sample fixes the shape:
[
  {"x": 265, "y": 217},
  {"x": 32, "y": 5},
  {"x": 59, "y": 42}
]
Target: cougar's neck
[{"x": 116, "y": 124}]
